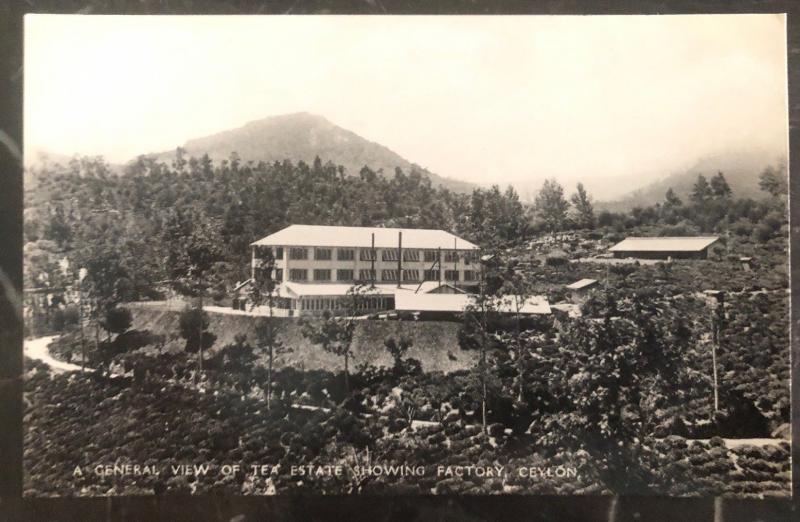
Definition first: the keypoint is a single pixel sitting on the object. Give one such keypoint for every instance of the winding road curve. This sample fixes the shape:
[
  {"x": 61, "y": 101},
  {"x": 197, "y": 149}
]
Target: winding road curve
[{"x": 38, "y": 349}]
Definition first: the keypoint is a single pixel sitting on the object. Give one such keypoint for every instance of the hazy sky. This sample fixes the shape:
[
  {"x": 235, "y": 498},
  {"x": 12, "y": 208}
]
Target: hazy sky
[{"x": 500, "y": 98}]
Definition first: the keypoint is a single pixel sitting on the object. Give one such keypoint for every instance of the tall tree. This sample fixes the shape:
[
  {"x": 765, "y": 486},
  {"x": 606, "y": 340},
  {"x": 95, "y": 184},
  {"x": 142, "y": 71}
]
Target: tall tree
[
  {"x": 672, "y": 207},
  {"x": 264, "y": 290},
  {"x": 671, "y": 199},
  {"x": 773, "y": 181},
  {"x": 719, "y": 187},
  {"x": 335, "y": 333},
  {"x": 584, "y": 210},
  {"x": 701, "y": 191},
  {"x": 474, "y": 334},
  {"x": 191, "y": 261},
  {"x": 516, "y": 292},
  {"x": 551, "y": 207}
]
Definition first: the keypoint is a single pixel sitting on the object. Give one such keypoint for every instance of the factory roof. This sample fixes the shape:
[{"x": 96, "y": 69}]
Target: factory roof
[{"x": 361, "y": 237}]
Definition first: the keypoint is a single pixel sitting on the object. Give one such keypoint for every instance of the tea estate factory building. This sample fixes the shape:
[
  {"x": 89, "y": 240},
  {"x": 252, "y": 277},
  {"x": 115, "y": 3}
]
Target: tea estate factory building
[{"x": 315, "y": 266}]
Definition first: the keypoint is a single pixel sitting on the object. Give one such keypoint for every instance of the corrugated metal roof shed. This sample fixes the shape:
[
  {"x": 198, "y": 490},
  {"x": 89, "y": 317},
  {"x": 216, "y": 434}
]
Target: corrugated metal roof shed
[
  {"x": 361, "y": 237},
  {"x": 664, "y": 244},
  {"x": 582, "y": 283}
]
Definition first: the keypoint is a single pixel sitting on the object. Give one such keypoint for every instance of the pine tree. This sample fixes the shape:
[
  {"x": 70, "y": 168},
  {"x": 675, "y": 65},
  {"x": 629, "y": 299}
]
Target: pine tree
[
  {"x": 584, "y": 210},
  {"x": 551, "y": 207},
  {"x": 701, "y": 192},
  {"x": 719, "y": 187}
]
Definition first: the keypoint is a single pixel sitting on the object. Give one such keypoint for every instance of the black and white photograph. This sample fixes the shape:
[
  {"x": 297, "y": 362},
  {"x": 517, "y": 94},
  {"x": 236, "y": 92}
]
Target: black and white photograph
[{"x": 406, "y": 255}]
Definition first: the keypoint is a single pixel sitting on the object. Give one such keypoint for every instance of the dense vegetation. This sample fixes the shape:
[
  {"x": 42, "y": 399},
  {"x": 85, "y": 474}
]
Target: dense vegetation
[{"x": 612, "y": 393}]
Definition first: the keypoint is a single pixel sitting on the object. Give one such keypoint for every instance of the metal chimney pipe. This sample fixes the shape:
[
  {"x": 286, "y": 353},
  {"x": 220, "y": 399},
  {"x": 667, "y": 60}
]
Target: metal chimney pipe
[
  {"x": 372, "y": 262},
  {"x": 440, "y": 266},
  {"x": 399, "y": 258},
  {"x": 455, "y": 252}
]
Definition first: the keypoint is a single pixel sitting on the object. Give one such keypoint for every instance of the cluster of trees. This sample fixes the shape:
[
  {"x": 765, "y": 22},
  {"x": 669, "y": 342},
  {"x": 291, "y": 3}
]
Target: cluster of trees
[
  {"x": 552, "y": 212},
  {"x": 186, "y": 226},
  {"x": 581, "y": 385},
  {"x": 147, "y": 215},
  {"x": 711, "y": 207}
]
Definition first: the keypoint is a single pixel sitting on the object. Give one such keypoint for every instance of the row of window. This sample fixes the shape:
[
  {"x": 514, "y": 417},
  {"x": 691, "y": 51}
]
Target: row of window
[
  {"x": 324, "y": 274},
  {"x": 333, "y": 303},
  {"x": 368, "y": 254}
]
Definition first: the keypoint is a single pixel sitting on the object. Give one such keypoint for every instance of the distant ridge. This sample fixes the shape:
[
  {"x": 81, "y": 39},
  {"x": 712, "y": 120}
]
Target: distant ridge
[
  {"x": 740, "y": 168},
  {"x": 304, "y": 136}
]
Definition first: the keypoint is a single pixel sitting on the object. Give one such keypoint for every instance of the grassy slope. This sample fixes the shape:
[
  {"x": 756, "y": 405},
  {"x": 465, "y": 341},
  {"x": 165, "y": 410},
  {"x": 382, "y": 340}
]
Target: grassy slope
[{"x": 432, "y": 340}]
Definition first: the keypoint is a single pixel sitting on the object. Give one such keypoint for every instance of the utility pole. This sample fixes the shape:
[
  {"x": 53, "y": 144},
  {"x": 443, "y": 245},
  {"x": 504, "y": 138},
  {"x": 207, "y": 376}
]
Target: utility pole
[
  {"x": 483, "y": 348},
  {"x": 717, "y": 315},
  {"x": 81, "y": 275},
  {"x": 80, "y": 322}
]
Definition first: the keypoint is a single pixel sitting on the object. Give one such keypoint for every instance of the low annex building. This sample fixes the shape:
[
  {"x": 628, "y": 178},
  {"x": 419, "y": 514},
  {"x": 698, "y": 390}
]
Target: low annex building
[
  {"x": 317, "y": 266},
  {"x": 579, "y": 290},
  {"x": 689, "y": 247},
  {"x": 437, "y": 306}
]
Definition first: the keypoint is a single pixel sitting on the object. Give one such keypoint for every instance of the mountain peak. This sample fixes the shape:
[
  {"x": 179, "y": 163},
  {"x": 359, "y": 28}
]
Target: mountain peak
[
  {"x": 302, "y": 117},
  {"x": 303, "y": 136}
]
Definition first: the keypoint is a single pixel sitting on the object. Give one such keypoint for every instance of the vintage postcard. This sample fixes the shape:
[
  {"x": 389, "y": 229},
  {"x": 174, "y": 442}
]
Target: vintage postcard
[{"x": 513, "y": 255}]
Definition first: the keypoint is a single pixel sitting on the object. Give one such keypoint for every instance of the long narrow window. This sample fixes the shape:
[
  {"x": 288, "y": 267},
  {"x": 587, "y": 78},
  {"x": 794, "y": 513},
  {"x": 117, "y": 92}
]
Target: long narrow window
[
  {"x": 298, "y": 253},
  {"x": 344, "y": 275},
  {"x": 298, "y": 274},
  {"x": 431, "y": 275},
  {"x": 367, "y": 254},
  {"x": 366, "y": 275},
  {"x": 389, "y": 275},
  {"x": 451, "y": 275},
  {"x": 389, "y": 254},
  {"x": 322, "y": 274},
  {"x": 345, "y": 254},
  {"x": 469, "y": 275},
  {"x": 430, "y": 256},
  {"x": 322, "y": 254},
  {"x": 410, "y": 275},
  {"x": 410, "y": 255}
]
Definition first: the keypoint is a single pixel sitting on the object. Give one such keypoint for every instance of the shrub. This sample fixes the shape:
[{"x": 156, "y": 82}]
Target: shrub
[
  {"x": 193, "y": 322},
  {"x": 117, "y": 320}
]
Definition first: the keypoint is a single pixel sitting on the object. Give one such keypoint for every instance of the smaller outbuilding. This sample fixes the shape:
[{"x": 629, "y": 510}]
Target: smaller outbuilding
[
  {"x": 578, "y": 290},
  {"x": 688, "y": 247}
]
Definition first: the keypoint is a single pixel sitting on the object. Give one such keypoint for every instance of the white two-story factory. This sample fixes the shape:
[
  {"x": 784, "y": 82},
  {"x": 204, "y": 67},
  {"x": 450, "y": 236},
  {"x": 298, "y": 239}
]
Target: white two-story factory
[{"x": 318, "y": 265}]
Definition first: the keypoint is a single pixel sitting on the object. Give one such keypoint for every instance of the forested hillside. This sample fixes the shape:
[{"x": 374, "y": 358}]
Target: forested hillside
[
  {"x": 302, "y": 137},
  {"x": 137, "y": 221},
  {"x": 613, "y": 394},
  {"x": 740, "y": 169}
]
